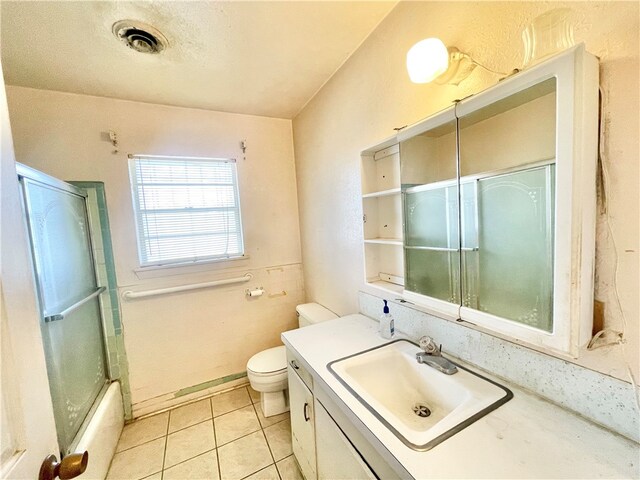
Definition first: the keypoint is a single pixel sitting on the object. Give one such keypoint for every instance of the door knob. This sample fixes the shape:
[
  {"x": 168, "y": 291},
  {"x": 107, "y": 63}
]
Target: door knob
[{"x": 71, "y": 466}]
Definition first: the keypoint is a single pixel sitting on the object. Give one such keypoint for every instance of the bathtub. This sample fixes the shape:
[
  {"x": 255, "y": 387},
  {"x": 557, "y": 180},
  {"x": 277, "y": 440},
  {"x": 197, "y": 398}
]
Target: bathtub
[{"x": 102, "y": 433}]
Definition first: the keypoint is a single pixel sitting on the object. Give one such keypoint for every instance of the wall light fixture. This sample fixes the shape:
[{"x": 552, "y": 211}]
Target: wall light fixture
[{"x": 430, "y": 60}]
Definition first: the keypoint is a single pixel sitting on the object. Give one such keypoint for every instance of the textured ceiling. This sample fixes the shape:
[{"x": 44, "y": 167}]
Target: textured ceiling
[{"x": 261, "y": 57}]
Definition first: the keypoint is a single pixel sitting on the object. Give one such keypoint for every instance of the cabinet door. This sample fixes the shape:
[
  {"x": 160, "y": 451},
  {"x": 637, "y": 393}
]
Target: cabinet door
[
  {"x": 507, "y": 168},
  {"x": 430, "y": 192},
  {"x": 337, "y": 459},
  {"x": 302, "y": 425}
]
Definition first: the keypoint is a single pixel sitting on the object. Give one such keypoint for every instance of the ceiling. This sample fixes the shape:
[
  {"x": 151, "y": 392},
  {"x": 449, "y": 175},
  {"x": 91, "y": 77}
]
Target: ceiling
[{"x": 259, "y": 57}]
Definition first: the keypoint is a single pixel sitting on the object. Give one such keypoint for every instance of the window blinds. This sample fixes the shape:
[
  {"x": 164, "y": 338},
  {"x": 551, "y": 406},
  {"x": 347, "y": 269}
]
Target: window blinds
[{"x": 187, "y": 210}]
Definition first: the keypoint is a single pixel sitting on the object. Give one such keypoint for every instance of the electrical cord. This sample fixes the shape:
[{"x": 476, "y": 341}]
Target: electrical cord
[
  {"x": 620, "y": 335},
  {"x": 487, "y": 68},
  {"x": 461, "y": 55}
]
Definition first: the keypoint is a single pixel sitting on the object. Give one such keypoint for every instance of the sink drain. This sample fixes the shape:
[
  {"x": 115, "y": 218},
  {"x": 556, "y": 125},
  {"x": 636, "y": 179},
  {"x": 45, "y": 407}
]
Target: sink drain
[{"x": 421, "y": 410}]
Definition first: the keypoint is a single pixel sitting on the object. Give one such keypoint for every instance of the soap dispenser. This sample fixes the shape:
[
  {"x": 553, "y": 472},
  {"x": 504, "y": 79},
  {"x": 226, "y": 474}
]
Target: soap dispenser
[{"x": 386, "y": 327}]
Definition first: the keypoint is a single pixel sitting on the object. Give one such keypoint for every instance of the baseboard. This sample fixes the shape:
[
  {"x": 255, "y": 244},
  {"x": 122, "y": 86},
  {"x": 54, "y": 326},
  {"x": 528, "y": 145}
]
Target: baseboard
[{"x": 187, "y": 395}]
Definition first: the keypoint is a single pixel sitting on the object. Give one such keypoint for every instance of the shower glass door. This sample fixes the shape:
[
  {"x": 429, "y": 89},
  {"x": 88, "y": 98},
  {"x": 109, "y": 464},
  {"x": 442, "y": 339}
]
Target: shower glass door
[{"x": 71, "y": 320}]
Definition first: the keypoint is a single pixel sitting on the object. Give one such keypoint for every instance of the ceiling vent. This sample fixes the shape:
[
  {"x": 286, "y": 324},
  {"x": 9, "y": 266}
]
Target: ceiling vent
[{"x": 139, "y": 36}]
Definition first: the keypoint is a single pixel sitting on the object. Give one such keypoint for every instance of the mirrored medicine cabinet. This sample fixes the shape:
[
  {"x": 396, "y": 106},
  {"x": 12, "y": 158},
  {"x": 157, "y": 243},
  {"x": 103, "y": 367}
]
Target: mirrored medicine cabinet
[{"x": 485, "y": 212}]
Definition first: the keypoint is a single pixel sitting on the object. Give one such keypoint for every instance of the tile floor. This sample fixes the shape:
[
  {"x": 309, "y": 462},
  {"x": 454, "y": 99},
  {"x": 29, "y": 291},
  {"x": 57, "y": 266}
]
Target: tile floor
[{"x": 225, "y": 436}]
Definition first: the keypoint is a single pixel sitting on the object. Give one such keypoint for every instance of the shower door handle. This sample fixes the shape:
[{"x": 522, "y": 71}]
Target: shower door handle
[{"x": 68, "y": 310}]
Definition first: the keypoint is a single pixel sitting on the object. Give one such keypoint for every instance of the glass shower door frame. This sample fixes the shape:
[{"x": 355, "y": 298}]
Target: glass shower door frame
[{"x": 28, "y": 176}]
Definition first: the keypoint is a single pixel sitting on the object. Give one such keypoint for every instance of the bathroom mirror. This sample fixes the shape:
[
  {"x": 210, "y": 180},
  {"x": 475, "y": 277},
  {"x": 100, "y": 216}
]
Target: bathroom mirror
[
  {"x": 507, "y": 191},
  {"x": 430, "y": 205}
]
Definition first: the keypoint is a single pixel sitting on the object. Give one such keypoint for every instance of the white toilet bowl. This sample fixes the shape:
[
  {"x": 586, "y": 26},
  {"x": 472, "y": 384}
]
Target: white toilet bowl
[
  {"x": 267, "y": 373},
  {"x": 267, "y": 370}
]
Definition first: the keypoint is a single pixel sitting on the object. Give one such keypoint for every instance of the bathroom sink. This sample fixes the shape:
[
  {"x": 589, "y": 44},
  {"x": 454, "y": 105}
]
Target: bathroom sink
[{"x": 419, "y": 404}]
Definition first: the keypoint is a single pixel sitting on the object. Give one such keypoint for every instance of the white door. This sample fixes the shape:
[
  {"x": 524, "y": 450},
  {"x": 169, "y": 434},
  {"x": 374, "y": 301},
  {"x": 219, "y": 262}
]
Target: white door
[{"x": 27, "y": 428}]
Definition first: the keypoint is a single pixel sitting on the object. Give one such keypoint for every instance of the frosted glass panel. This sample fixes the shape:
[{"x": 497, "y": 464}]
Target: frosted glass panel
[
  {"x": 74, "y": 346},
  {"x": 469, "y": 241},
  {"x": 433, "y": 273},
  {"x": 75, "y": 366},
  {"x": 431, "y": 242},
  {"x": 432, "y": 217},
  {"x": 59, "y": 231},
  {"x": 508, "y": 232}
]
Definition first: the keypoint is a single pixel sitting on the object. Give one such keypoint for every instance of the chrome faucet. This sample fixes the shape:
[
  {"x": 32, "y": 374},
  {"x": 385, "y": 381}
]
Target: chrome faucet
[{"x": 432, "y": 356}]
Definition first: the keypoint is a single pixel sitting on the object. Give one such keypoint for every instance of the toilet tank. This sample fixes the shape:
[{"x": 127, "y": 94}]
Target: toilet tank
[{"x": 310, "y": 313}]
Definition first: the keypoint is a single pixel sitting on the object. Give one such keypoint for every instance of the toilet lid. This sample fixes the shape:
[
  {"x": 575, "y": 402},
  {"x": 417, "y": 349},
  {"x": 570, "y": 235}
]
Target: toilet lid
[{"x": 267, "y": 361}]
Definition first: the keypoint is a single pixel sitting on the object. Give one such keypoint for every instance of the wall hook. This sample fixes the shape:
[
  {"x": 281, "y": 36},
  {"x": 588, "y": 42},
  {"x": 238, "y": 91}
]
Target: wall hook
[
  {"x": 113, "y": 137},
  {"x": 243, "y": 147}
]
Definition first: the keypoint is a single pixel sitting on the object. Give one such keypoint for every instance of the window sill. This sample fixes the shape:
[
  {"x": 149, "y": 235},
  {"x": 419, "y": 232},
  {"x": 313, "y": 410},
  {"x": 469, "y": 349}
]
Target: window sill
[{"x": 185, "y": 268}]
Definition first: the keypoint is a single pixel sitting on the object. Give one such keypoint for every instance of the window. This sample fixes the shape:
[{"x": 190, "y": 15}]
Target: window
[{"x": 187, "y": 210}]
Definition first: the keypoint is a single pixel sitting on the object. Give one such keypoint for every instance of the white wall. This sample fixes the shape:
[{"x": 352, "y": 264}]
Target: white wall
[
  {"x": 371, "y": 94},
  {"x": 179, "y": 340}
]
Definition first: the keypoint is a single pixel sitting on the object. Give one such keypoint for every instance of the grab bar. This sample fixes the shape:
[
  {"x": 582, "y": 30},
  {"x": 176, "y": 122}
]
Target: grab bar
[
  {"x": 128, "y": 295},
  {"x": 67, "y": 311}
]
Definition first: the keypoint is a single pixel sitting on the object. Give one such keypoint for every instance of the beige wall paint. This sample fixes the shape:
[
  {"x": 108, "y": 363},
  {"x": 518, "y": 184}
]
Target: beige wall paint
[
  {"x": 371, "y": 94},
  {"x": 179, "y": 340}
]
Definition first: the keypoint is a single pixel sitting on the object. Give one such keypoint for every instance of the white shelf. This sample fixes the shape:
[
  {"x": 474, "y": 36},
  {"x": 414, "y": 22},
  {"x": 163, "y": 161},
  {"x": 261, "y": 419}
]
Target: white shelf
[
  {"x": 383, "y": 193},
  {"x": 382, "y": 216},
  {"x": 384, "y": 241},
  {"x": 387, "y": 286}
]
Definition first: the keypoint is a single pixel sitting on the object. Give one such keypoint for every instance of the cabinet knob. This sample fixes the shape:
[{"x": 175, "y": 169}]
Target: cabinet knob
[
  {"x": 304, "y": 412},
  {"x": 294, "y": 365}
]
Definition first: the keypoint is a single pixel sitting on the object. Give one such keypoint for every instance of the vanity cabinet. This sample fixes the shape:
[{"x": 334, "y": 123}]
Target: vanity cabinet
[
  {"x": 527, "y": 437},
  {"x": 303, "y": 437},
  {"x": 337, "y": 458},
  {"x": 497, "y": 205},
  {"x": 321, "y": 449}
]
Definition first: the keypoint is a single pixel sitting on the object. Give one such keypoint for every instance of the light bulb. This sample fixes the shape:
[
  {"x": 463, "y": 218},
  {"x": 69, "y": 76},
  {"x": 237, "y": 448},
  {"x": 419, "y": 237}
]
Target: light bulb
[{"x": 427, "y": 60}]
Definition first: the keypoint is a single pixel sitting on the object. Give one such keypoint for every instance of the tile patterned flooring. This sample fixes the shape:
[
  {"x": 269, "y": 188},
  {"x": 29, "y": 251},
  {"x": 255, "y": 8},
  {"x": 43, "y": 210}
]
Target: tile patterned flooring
[{"x": 223, "y": 437}]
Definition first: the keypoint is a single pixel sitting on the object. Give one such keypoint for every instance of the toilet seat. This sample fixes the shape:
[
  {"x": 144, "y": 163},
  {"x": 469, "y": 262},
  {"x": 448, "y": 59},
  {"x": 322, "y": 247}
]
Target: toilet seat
[
  {"x": 276, "y": 374},
  {"x": 268, "y": 363}
]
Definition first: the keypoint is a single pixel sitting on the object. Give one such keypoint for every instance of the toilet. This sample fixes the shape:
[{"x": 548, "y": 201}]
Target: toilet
[{"x": 267, "y": 370}]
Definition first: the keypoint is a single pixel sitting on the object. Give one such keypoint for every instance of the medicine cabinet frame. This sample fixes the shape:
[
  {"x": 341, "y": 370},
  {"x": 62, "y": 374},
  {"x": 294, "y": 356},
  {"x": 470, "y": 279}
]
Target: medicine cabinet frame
[{"x": 576, "y": 144}]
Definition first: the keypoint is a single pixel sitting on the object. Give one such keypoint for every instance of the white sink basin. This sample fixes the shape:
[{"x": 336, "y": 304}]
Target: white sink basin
[{"x": 391, "y": 384}]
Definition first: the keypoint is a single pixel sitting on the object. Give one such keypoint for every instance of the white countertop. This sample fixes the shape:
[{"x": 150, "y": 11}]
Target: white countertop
[{"x": 527, "y": 437}]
